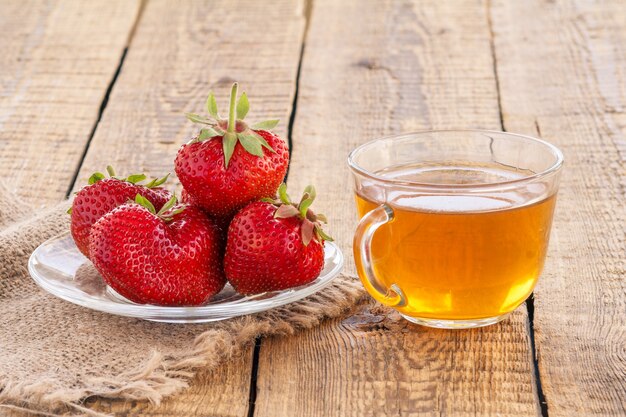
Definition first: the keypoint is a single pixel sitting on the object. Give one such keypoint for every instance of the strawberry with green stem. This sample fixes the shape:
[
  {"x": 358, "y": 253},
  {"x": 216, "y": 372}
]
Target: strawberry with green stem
[
  {"x": 103, "y": 194},
  {"x": 275, "y": 244},
  {"x": 169, "y": 257},
  {"x": 230, "y": 164}
]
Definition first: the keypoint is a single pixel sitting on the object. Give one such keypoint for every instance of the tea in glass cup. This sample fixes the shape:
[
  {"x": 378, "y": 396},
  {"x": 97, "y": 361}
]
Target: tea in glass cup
[{"x": 454, "y": 225}]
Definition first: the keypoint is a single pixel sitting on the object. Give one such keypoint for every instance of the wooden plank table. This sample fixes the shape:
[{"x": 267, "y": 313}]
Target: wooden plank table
[{"x": 86, "y": 84}]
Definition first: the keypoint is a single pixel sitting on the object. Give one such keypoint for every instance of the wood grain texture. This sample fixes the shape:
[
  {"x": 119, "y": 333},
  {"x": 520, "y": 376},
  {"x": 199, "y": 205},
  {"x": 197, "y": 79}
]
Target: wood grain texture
[
  {"x": 178, "y": 54},
  {"x": 404, "y": 66},
  {"x": 56, "y": 60},
  {"x": 562, "y": 68}
]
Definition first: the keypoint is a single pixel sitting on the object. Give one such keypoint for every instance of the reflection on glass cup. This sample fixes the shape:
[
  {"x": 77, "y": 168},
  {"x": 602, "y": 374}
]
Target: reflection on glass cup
[{"x": 454, "y": 225}]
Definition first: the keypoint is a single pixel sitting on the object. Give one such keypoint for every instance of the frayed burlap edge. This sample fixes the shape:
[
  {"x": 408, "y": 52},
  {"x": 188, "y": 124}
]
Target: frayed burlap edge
[{"x": 160, "y": 376}]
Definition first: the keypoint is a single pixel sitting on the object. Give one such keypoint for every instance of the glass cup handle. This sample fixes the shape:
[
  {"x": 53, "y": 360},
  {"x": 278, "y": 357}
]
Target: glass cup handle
[{"x": 392, "y": 296}]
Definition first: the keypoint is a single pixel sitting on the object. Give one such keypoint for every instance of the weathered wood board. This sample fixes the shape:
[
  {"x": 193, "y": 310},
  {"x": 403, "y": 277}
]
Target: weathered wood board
[
  {"x": 562, "y": 75},
  {"x": 370, "y": 68},
  {"x": 56, "y": 61},
  {"x": 177, "y": 55},
  {"x": 401, "y": 66}
]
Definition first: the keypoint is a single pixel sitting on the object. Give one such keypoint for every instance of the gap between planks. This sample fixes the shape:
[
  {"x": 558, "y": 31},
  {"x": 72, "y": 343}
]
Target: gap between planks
[
  {"x": 308, "y": 7},
  {"x": 530, "y": 306},
  {"x": 105, "y": 99},
  {"x": 253, "y": 375}
]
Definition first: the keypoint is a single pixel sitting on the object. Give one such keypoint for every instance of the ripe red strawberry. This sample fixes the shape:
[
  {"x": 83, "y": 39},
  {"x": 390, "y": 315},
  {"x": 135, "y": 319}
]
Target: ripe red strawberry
[
  {"x": 274, "y": 245},
  {"x": 172, "y": 257},
  {"x": 186, "y": 198},
  {"x": 103, "y": 195},
  {"x": 230, "y": 164},
  {"x": 221, "y": 222}
]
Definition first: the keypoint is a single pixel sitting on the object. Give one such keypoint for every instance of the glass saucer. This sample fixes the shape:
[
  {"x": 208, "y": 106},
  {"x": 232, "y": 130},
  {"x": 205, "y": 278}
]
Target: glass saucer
[{"x": 58, "y": 267}]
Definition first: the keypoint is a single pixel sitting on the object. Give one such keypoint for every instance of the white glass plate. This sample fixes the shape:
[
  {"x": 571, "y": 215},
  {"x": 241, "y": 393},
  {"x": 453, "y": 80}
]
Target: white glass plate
[{"x": 58, "y": 267}]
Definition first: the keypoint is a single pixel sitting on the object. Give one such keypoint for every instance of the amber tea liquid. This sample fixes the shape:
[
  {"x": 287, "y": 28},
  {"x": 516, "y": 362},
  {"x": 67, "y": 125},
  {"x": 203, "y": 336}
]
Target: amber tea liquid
[{"x": 460, "y": 256}]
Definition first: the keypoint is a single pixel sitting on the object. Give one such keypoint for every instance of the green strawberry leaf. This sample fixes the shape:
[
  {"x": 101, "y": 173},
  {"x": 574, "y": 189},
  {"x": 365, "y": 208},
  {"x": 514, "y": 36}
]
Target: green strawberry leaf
[
  {"x": 284, "y": 211},
  {"x": 144, "y": 202},
  {"x": 69, "y": 210},
  {"x": 135, "y": 178},
  {"x": 211, "y": 106},
  {"x": 304, "y": 206},
  {"x": 322, "y": 234},
  {"x": 251, "y": 144},
  {"x": 306, "y": 230},
  {"x": 157, "y": 181},
  {"x": 168, "y": 216},
  {"x": 310, "y": 190},
  {"x": 95, "y": 177},
  {"x": 266, "y": 124},
  {"x": 262, "y": 140},
  {"x": 177, "y": 211},
  {"x": 228, "y": 145},
  {"x": 282, "y": 194},
  {"x": 242, "y": 106},
  {"x": 268, "y": 200},
  {"x": 321, "y": 218},
  {"x": 168, "y": 205},
  {"x": 208, "y": 133},
  {"x": 196, "y": 118}
]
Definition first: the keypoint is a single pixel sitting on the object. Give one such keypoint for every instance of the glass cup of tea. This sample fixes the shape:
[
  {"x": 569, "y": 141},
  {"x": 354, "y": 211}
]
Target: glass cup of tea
[{"x": 454, "y": 224}]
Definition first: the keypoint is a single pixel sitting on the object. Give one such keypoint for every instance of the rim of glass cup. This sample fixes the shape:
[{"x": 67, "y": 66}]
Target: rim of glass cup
[{"x": 362, "y": 171}]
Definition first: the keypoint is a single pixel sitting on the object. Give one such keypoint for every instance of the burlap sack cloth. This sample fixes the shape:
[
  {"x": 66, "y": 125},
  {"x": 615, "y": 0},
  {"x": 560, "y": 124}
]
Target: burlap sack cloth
[{"x": 54, "y": 354}]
